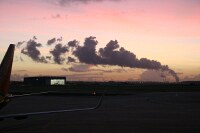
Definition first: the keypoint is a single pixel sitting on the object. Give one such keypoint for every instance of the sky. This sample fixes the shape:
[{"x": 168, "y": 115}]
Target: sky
[{"x": 163, "y": 32}]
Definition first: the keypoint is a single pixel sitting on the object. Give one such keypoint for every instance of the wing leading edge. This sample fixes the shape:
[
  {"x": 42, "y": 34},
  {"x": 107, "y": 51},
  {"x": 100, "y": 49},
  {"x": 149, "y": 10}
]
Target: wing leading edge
[{"x": 26, "y": 115}]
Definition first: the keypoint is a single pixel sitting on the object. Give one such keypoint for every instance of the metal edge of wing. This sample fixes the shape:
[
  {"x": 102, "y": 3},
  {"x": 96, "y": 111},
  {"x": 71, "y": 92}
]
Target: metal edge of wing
[
  {"x": 25, "y": 115},
  {"x": 30, "y": 94}
]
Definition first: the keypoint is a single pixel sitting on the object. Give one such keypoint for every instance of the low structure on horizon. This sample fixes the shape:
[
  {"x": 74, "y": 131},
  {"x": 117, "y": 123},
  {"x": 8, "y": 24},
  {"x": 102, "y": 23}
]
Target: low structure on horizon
[{"x": 45, "y": 80}]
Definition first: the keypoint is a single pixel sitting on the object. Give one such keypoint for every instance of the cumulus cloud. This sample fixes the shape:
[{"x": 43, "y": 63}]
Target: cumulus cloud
[
  {"x": 54, "y": 40},
  {"x": 87, "y": 53},
  {"x": 57, "y": 53},
  {"x": 31, "y": 50},
  {"x": 73, "y": 44},
  {"x": 18, "y": 44},
  {"x": 34, "y": 38},
  {"x": 113, "y": 54},
  {"x": 59, "y": 39},
  {"x": 70, "y": 59},
  {"x": 51, "y": 41},
  {"x": 48, "y": 57}
]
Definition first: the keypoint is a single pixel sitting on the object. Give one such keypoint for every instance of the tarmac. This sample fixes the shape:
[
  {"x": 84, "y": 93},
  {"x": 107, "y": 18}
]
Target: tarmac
[{"x": 157, "y": 112}]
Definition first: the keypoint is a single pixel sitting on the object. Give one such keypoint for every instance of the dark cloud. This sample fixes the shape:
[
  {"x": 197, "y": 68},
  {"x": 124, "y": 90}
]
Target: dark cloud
[
  {"x": 48, "y": 57},
  {"x": 34, "y": 38},
  {"x": 18, "y": 45},
  {"x": 70, "y": 59},
  {"x": 87, "y": 53},
  {"x": 57, "y": 53},
  {"x": 113, "y": 54},
  {"x": 51, "y": 41},
  {"x": 73, "y": 43},
  {"x": 173, "y": 73},
  {"x": 59, "y": 39},
  {"x": 32, "y": 51}
]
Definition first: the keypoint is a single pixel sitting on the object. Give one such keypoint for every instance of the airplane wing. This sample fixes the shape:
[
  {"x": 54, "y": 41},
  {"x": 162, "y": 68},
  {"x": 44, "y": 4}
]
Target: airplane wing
[
  {"x": 5, "y": 72},
  {"x": 20, "y": 116},
  {"x": 30, "y": 94}
]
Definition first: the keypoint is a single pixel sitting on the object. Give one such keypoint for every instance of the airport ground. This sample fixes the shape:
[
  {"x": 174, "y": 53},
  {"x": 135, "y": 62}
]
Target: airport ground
[{"x": 127, "y": 112}]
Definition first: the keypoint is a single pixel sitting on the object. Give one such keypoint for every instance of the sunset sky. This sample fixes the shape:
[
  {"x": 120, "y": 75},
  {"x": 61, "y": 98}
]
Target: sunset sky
[{"x": 167, "y": 31}]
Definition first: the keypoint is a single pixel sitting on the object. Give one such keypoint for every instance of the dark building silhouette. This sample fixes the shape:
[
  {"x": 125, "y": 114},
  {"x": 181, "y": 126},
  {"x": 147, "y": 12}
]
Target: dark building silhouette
[{"x": 44, "y": 81}]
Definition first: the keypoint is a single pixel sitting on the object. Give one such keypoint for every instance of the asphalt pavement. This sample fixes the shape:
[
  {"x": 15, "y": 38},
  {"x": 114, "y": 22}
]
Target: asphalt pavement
[{"x": 158, "y": 112}]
